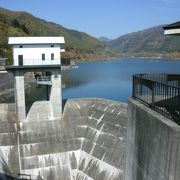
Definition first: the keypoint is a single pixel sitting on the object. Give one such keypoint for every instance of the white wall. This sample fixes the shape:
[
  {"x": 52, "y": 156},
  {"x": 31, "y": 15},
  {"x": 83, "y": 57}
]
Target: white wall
[
  {"x": 172, "y": 31},
  {"x": 32, "y": 54}
]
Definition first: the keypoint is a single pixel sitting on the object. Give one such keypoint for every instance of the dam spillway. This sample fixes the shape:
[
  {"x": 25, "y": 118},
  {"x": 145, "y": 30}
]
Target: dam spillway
[{"x": 88, "y": 142}]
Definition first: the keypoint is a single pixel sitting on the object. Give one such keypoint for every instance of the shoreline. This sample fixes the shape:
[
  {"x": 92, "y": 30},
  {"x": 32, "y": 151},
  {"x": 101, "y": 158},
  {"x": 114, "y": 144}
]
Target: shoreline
[{"x": 77, "y": 61}]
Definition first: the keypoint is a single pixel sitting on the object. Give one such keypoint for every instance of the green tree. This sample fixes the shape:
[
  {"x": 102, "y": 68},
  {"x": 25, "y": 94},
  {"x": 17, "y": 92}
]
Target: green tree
[
  {"x": 24, "y": 28},
  {"x": 15, "y": 23}
]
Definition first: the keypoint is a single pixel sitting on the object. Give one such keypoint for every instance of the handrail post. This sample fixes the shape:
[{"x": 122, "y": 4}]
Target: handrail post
[
  {"x": 141, "y": 85},
  {"x": 134, "y": 86},
  {"x": 152, "y": 103},
  {"x": 140, "y": 88}
]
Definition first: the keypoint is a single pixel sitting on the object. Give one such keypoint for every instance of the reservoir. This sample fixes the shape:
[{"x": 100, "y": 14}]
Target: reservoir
[
  {"x": 89, "y": 141},
  {"x": 111, "y": 79},
  {"x": 104, "y": 79}
]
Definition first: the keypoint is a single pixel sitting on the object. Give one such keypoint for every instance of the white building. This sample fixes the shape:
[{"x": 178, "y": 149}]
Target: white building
[
  {"x": 172, "y": 29},
  {"x": 29, "y": 51}
]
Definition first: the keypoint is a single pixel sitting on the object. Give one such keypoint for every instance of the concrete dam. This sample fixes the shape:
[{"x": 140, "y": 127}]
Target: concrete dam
[
  {"x": 92, "y": 139},
  {"x": 88, "y": 142}
]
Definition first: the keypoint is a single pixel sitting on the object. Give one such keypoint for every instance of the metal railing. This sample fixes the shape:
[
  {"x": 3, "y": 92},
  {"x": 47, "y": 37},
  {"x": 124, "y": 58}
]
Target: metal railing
[
  {"x": 31, "y": 62},
  {"x": 22, "y": 176},
  {"x": 160, "y": 92},
  {"x": 46, "y": 80}
]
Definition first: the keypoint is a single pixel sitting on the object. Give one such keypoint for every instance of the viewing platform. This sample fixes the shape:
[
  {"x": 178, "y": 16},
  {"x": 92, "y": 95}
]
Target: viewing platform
[
  {"x": 161, "y": 92},
  {"x": 33, "y": 68}
]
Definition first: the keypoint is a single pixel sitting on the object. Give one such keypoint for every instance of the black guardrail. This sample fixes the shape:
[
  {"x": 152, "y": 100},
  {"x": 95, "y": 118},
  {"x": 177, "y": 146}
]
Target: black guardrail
[{"x": 160, "y": 92}]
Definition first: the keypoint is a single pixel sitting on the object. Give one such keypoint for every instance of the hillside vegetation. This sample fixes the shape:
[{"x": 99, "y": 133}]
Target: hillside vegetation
[
  {"x": 147, "y": 43},
  {"x": 78, "y": 44}
]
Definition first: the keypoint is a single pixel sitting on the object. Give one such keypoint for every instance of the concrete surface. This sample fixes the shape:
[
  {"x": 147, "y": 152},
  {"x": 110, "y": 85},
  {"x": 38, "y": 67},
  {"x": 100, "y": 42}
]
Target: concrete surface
[
  {"x": 19, "y": 93},
  {"x": 8, "y": 145},
  {"x": 55, "y": 94},
  {"x": 153, "y": 146},
  {"x": 87, "y": 143}
]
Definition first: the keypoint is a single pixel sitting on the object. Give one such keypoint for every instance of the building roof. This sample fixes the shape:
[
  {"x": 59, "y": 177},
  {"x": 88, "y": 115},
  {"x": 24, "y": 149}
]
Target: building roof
[
  {"x": 36, "y": 40},
  {"x": 172, "y": 29},
  {"x": 172, "y": 26}
]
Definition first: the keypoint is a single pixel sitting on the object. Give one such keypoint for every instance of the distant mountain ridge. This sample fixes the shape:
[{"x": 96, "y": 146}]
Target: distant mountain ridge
[
  {"x": 146, "y": 43},
  {"x": 150, "y": 42},
  {"x": 78, "y": 44},
  {"x": 104, "y": 39}
]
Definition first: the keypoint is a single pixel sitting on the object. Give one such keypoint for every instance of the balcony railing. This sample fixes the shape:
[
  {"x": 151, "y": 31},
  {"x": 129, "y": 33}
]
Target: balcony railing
[
  {"x": 160, "y": 92},
  {"x": 46, "y": 80},
  {"x": 29, "y": 62}
]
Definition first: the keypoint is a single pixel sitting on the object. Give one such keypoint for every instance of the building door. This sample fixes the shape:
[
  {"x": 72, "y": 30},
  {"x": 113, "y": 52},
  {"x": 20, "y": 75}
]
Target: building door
[{"x": 20, "y": 59}]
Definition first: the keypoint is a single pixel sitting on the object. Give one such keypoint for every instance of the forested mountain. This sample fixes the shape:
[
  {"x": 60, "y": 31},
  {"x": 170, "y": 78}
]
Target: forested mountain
[
  {"x": 147, "y": 43},
  {"x": 78, "y": 44}
]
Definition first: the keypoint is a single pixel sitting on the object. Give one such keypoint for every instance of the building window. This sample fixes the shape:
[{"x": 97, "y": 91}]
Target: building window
[
  {"x": 20, "y": 46},
  {"x": 52, "y": 56},
  {"x": 52, "y": 45},
  {"x": 43, "y": 56}
]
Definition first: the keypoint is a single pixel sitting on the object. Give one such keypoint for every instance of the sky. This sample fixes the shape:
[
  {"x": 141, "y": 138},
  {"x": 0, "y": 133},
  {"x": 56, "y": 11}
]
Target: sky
[{"x": 109, "y": 18}]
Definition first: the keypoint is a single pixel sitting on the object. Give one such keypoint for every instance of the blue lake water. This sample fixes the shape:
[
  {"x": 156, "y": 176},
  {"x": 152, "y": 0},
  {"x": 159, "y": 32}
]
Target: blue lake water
[{"x": 111, "y": 79}]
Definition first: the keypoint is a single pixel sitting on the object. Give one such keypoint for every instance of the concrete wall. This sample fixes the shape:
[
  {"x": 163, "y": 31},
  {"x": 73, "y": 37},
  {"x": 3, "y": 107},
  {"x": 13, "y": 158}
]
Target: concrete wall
[
  {"x": 153, "y": 150},
  {"x": 88, "y": 142},
  {"x": 56, "y": 94},
  {"x": 19, "y": 93},
  {"x": 8, "y": 143}
]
